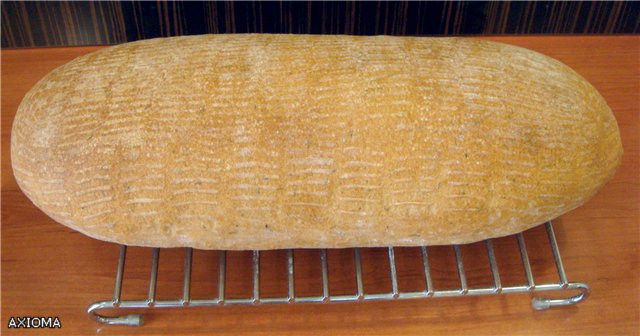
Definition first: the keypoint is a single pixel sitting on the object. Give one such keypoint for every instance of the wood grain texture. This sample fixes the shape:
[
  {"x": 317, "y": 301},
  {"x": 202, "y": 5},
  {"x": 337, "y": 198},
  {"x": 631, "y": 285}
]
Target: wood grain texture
[
  {"x": 261, "y": 141},
  {"x": 50, "y": 270},
  {"x": 62, "y": 23}
]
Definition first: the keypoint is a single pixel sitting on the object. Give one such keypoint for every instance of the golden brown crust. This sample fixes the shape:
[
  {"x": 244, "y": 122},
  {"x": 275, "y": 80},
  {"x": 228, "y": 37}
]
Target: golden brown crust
[{"x": 280, "y": 141}]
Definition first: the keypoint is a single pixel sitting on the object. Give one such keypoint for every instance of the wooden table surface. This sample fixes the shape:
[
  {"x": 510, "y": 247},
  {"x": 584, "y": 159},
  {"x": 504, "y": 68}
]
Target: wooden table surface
[{"x": 49, "y": 270}]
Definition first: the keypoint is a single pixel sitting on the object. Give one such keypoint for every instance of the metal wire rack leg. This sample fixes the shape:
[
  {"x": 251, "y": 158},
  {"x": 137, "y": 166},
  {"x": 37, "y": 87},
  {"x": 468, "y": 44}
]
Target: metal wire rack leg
[{"x": 538, "y": 303}]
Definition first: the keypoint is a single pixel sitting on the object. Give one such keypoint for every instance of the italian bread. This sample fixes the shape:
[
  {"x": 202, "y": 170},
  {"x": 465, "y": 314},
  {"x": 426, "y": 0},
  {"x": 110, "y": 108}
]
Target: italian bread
[{"x": 300, "y": 141}]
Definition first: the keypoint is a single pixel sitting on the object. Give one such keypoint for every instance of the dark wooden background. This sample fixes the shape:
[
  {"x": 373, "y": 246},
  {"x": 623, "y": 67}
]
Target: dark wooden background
[{"x": 53, "y": 23}]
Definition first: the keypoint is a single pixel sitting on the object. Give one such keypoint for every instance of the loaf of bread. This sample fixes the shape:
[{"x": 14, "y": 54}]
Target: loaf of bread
[{"x": 300, "y": 141}]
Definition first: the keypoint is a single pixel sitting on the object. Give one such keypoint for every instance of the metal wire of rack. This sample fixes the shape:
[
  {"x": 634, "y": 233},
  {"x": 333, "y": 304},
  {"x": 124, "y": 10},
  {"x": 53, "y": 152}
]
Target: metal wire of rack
[{"x": 538, "y": 303}]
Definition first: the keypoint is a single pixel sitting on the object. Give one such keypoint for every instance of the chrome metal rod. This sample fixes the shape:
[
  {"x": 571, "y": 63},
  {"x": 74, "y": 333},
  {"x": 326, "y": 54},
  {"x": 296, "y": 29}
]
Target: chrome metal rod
[
  {"x": 134, "y": 320},
  {"x": 267, "y": 300},
  {"x": 358, "y": 262},
  {"x": 256, "y": 276},
  {"x": 464, "y": 289},
  {"x": 386, "y": 296},
  {"x": 393, "y": 272},
  {"x": 325, "y": 274},
  {"x": 537, "y": 302},
  {"x": 427, "y": 270},
  {"x": 544, "y": 303},
  {"x": 222, "y": 274},
  {"x": 556, "y": 253},
  {"x": 117, "y": 290},
  {"x": 494, "y": 266},
  {"x": 155, "y": 257},
  {"x": 186, "y": 286},
  {"x": 308, "y": 299},
  {"x": 525, "y": 261},
  {"x": 290, "y": 276}
]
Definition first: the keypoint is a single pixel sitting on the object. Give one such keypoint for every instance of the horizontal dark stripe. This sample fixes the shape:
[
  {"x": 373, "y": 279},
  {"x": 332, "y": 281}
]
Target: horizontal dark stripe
[{"x": 52, "y": 23}]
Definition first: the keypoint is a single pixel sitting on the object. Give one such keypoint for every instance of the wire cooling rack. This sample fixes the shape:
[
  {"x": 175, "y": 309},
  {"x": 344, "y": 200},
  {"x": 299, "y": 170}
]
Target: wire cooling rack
[{"x": 538, "y": 303}]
